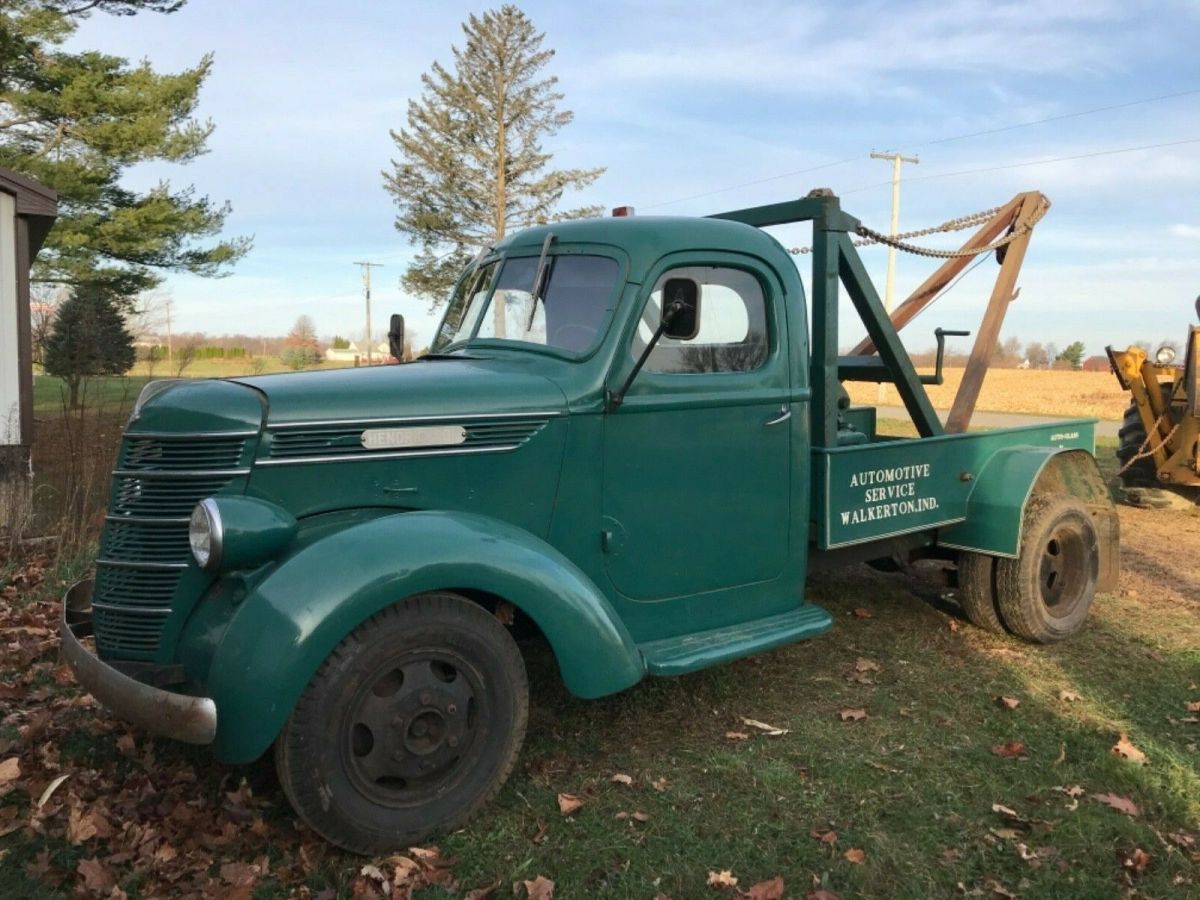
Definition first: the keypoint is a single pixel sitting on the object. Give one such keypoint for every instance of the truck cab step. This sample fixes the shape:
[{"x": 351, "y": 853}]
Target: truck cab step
[{"x": 689, "y": 652}]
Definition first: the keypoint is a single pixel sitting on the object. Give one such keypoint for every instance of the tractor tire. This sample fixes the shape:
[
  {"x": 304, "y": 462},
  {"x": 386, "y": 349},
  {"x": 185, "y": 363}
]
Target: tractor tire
[
  {"x": 411, "y": 724},
  {"x": 1045, "y": 593},
  {"x": 977, "y": 591},
  {"x": 1132, "y": 437}
]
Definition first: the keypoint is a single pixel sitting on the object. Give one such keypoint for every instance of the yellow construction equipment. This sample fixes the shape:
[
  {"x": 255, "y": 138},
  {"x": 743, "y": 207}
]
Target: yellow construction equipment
[{"x": 1158, "y": 450}]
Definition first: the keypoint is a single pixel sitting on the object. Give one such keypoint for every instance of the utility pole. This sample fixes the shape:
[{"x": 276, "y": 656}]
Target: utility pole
[
  {"x": 889, "y": 286},
  {"x": 366, "y": 275}
]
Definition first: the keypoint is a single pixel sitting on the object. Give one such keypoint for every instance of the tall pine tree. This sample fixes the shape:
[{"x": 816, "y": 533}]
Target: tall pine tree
[
  {"x": 76, "y": 121},
  {"x": 471, "y": 163}
]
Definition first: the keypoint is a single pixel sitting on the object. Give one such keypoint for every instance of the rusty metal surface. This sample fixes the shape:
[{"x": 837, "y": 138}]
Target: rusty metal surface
[{"x": 192, "y": 720}]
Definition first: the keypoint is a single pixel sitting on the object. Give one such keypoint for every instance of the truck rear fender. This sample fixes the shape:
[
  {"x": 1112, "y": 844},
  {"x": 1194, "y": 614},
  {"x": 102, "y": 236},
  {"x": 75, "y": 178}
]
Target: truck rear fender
[
  {"x": 996, "y": 506},
  {"x": 289, "y": 624}
]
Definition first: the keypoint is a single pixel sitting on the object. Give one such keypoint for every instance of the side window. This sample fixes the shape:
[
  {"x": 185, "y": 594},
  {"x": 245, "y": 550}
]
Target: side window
[{"x": 732, "y": 333}]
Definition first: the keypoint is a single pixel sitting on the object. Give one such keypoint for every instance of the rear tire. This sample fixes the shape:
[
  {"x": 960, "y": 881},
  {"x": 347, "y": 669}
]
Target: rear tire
[
  {"x": 977, "y": 591},
  {"x": 1132, "y": 441},
  {"x": 1044, "y": 595},
  {"x": 411, "y": 725}
]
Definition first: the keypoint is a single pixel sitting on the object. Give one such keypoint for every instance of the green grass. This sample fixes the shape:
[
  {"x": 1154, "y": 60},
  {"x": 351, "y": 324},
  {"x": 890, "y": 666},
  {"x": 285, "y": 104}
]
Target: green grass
[
  {"x": 912, "y": 785},
  {"x": 110, "y": 392}
]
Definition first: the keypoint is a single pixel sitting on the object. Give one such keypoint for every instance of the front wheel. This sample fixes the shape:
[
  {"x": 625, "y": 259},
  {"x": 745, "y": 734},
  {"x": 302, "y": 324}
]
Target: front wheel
[
  {"x": 413, "y": 723},
  {"x": 1045, "y": 593}
]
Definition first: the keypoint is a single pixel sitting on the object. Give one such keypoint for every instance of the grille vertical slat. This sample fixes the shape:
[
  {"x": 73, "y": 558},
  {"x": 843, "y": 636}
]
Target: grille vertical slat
[{"x": 144, "y": 548}]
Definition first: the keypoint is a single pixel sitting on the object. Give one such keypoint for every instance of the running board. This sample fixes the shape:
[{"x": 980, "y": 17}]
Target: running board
[{"x": 677, "y": 655}]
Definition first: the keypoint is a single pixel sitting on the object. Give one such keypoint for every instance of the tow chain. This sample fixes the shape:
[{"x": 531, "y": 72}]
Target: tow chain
[
  {"x": 1142, "y": 451},
  {"x": 899, "y": 241}
]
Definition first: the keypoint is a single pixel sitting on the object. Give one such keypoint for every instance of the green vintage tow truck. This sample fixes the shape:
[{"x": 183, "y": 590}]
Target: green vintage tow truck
[{"x": 622, "y": 438}]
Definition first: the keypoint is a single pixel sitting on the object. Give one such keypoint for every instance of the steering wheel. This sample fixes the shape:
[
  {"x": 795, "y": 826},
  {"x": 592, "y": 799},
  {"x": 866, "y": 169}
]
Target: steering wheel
[{"x": 588, "y": 332}]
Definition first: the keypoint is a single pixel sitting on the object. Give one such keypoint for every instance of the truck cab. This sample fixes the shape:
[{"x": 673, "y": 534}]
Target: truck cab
[{"x": 621, "y": 438}]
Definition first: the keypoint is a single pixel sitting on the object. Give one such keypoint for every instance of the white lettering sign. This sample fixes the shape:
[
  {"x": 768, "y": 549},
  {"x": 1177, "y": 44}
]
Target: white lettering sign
[{"x": 888, "y": 493}]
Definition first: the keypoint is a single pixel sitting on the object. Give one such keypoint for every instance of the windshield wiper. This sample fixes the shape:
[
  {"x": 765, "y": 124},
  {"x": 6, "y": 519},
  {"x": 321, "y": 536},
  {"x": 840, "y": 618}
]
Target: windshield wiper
[{"x": 538, "y": 279}]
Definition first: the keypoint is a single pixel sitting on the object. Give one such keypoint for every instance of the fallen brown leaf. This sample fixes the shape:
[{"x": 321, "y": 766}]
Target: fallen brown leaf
[
  {"x": 722, "y": 879},
  {"x": 1125, "y": 749},
  {"x": 737, "y": 735},
  {"x": 1136, "y": 862},
  {"x": 825, "y": 837},
  {"x": 1008, "y": 702},
  {"x": 771, "y": 889},
  {"x": 867, "y": 665},
  {"x": 1010, "y": 750},
  {"x": 241, "y": 874},
  {"x": 862, "y": 612},
  {"x": 820, "y": 894},
  {"x": 953, "y": 625},
  {"x": 486, "y": 892},
  {"x": 569, "y": 803},
  {"x": 639, "y": 816},
  {"x": 1120, "y": 804},
  {"x": 540, "y": 888},
  {"x": 853, "y": 715},
  {"x": 1192, "y": 705},
  {"x": 620, "y": 778},
  {"x": 10, "y": 770},
  {"x": 96, "y": 877},
  {"x": 771, "y": 730},
  {"x": 659, "y": 784},
  {"x": 855, "y": 855},
  {"x": 1068, "y": 696}
]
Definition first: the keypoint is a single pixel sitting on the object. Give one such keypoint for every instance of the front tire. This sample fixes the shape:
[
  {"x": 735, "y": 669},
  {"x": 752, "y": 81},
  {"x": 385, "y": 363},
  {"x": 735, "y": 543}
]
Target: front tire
[
  {"x": 411, "y": 725},
  {"x": 1045, "y": 593}
]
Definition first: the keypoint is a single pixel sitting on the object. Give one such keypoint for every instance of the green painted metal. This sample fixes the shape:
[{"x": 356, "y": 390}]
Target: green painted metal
[
  {"x": 666, "y": 535},
  {"x": 873, "y": 491},
  {"x": 290, "y": 621},
  {"x": 997, "y": 504},
  {"x": 253, "y": 531},
  {"x": 699, "y": 650}
]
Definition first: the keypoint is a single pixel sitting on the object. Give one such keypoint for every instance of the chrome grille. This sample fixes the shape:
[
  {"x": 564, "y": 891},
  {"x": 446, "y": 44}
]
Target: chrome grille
[
  {"x": 159, "y": 480},
  {"x": 346, "y": 439},
  {"x": 157, "y": 454},
  {"x": 174, "y": 496}
]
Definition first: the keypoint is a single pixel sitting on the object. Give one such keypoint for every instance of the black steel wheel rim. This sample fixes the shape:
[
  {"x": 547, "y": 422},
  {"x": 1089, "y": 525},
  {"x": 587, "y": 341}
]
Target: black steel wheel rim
[
  {"x": 1064, "y": 568},
  {"x": 413, "y": 729}
]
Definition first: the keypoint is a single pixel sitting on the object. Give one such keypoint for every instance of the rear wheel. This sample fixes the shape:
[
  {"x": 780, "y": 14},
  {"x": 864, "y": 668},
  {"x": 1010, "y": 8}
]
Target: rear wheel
[
  {"x": 1045, "y": 593},
  {"x": 411, "y": 725},
  {"x": 977, "y": 590}
]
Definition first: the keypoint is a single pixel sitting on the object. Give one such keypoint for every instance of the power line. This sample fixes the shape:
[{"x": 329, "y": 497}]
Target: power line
[
  {"x": 734, "y": 187},
  {"x": 1071, "y": 115},
  {"x": 945, "y": 140},
  {"x": 1032, "y": 162}
]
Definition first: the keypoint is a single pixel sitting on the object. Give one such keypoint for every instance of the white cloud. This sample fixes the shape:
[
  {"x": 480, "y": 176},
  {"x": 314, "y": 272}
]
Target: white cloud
[{"x": 1185, "y": 231}]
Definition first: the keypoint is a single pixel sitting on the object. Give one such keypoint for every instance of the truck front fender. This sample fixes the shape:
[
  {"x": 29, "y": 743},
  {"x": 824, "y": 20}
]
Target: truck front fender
[
  {"x": 996, "y": 506},
  {"x": 285, "y": 628}
]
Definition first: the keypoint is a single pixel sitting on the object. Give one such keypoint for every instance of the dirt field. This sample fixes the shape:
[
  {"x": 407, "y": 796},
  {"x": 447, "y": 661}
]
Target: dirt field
[{"x": 1051, "y": 393}]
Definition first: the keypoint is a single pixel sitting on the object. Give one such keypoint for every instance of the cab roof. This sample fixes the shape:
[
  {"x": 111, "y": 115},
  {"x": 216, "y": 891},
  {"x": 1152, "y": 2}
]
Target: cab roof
[{"x": 646, "y": 239}]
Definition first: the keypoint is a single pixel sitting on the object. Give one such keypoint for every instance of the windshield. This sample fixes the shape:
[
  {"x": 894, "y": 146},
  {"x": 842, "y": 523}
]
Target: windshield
[{"x": 578, "y": 298}]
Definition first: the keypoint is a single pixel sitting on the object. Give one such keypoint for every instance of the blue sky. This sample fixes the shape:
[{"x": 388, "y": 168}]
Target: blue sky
[{"x": 680, "y": 99}]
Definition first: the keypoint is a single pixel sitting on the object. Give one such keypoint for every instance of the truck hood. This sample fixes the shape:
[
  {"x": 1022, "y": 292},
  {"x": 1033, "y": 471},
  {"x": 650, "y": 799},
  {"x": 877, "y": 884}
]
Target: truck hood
[{"x": 443, "y": 387}]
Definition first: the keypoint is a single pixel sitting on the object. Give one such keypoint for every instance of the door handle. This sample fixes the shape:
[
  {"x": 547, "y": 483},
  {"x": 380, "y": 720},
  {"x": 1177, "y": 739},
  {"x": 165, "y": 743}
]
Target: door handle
[{"x": 784, "y": 415}]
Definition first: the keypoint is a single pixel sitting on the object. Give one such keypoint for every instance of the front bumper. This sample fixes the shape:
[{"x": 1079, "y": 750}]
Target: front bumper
[{"x": 182, "y": 717}]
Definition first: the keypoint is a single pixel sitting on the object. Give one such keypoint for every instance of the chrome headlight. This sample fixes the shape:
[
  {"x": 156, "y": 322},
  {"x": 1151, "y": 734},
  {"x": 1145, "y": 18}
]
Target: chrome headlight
[
  {"x": 1165, "y": 355},
  {"x": 206, "y": 534}
]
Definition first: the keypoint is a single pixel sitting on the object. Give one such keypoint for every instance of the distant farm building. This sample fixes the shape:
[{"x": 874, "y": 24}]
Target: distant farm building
[{"x": 1096, "y": 364}]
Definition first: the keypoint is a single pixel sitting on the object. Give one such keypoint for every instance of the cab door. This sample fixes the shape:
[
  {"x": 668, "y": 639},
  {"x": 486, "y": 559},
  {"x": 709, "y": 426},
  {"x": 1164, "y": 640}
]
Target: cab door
[{"x": 696, "y": 458}]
